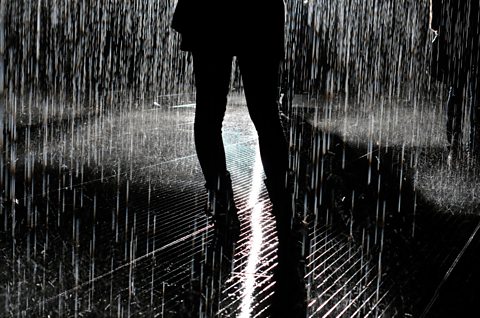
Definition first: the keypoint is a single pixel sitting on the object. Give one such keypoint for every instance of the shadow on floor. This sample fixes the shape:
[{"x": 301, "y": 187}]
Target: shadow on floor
[{"x": 427, "y": 261}]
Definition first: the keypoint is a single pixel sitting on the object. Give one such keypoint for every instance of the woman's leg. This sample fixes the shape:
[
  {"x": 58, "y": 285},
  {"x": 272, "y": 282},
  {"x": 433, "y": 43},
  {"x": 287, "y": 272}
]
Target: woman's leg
[
  {"x": 212, "y": 79},
  {"x": 260, "y": 74}
]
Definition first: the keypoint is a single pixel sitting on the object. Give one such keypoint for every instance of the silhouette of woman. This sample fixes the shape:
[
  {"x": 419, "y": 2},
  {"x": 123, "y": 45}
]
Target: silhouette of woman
[{"x": 214, "y": 31}]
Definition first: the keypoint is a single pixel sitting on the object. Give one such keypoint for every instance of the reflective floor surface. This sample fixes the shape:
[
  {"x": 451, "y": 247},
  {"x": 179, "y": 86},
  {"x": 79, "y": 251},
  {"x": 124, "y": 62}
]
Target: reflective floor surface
[{"x": 107, "y": 220}]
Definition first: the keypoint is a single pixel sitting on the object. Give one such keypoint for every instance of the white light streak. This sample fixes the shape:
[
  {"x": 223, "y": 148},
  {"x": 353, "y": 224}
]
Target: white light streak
[{"x": 256, "y": 239}]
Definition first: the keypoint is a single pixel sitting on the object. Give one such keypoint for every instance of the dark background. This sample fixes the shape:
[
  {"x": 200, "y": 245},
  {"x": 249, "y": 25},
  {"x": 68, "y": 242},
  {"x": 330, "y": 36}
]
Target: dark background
[{"x": 87, "y": 46}]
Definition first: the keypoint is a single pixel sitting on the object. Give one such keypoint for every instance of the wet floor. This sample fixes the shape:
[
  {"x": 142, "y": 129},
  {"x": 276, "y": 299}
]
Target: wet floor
[
  {"x": 112, "y": 224},
  {"x": 112, "y": 229}
]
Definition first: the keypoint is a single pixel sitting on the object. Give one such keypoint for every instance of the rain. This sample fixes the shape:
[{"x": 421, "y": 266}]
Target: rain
[{"x": 102, "y": 196}]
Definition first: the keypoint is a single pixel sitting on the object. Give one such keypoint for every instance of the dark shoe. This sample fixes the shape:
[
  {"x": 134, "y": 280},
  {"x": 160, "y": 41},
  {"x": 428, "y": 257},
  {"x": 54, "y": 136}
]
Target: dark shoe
[
  {"x": 221, "y": 209},
  {"x": 289, "y": 298}
]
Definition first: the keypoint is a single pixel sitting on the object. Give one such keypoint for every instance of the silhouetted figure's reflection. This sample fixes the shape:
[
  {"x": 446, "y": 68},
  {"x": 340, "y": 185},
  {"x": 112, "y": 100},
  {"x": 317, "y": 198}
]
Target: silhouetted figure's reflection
[
  {"x": 214, "y": 31},
  {"x": 456, "y": 63}
]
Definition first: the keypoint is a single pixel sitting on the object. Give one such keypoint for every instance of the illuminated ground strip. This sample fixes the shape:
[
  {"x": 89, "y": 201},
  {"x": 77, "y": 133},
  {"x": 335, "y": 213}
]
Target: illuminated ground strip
[{"x": 256, "y": 239}]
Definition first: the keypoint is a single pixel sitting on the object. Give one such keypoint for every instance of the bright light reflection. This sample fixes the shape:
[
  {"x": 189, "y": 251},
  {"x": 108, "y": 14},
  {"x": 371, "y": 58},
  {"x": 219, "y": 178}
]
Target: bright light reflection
[{"x": 255, "y": 240}]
